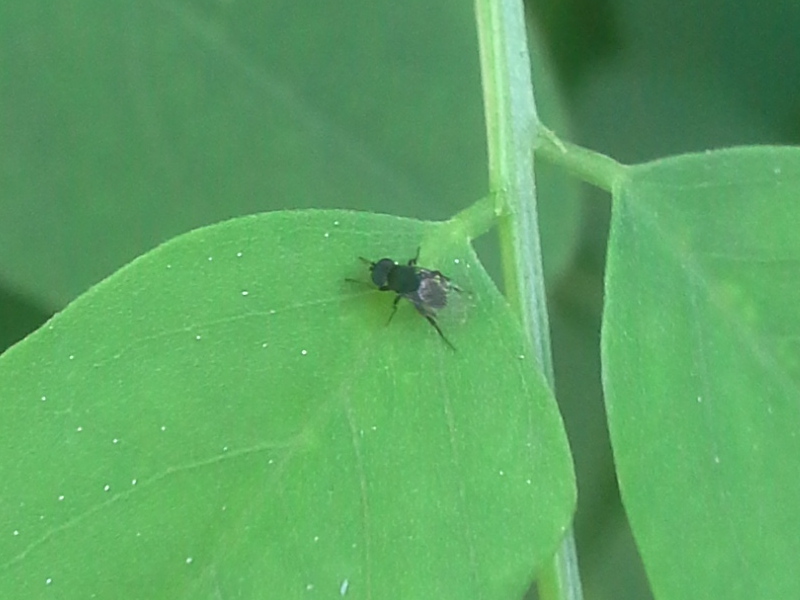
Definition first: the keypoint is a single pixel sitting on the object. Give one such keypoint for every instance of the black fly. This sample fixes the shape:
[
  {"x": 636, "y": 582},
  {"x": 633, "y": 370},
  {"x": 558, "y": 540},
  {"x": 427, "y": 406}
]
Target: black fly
[{"x": 427, "y": 290}]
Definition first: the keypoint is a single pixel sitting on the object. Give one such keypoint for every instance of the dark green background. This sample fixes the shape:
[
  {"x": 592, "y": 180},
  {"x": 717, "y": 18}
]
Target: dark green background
[{"x": 124, "y": 125}]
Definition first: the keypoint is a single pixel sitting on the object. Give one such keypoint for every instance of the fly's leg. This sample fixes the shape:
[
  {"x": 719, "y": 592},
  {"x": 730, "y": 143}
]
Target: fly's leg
[
  {"x": 394, "y": 308},
  {"x": 412, "y": 262},
  {"x": 438, "y": 329}
]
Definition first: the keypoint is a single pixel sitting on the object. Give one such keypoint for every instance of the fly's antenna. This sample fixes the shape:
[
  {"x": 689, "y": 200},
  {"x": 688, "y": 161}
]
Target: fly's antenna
[
  {"x": 358, "y": 281},
  {"x": 367, "y": 262}
]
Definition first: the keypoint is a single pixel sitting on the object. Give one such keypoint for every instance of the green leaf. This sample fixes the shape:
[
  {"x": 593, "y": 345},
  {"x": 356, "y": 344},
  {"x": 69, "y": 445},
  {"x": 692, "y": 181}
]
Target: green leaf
[
  {"x": 702, "y": 370},
  {"x": 228, "y": 417}
]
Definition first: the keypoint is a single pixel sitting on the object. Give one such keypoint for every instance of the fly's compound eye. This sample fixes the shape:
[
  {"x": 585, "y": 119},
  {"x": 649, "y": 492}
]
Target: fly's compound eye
[{"x": 380, "y": 272}]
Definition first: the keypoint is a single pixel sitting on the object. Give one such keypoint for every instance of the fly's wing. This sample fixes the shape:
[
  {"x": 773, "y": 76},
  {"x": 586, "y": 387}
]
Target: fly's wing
[
  {"x": 432, "y": 294},
  {"x": 439, "y": 299},
  {"x": 437, "y": 296}
]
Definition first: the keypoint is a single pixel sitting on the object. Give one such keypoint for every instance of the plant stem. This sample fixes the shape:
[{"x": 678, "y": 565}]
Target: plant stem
[
  {"x": 512, "y": 126},
  {"x": 477, "y": 219},
  {"x": 590, "y": 166},
  {"x": 511, "y": 123}
]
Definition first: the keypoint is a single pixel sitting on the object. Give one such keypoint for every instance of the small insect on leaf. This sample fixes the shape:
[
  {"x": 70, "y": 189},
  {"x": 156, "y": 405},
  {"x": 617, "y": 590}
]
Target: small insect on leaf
[{"x": 428, "y": 290}]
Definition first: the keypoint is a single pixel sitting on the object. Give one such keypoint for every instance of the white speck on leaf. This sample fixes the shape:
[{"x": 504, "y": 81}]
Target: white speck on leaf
[
  {"x": 189, "y": 560},
  {"x": 133, "y": 482},
  {"x": 245, "y": 292},
  {"x": 343, "y": 587},
  {"x": 239, "y": 254},
  {"x": 106, "y": 487},
  {"x": 48, "y": 581},
  {"x": 60, "y": 498},
  {"x": 163, "y": 428},
  {"x": 304, "y": 352},
  {"x": 44, "y": 398}
]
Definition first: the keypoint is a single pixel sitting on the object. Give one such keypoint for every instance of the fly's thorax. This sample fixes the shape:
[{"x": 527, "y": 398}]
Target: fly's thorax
[{"x": 404, "y": 279}]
